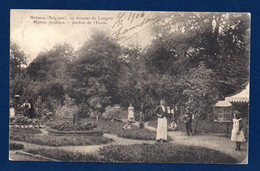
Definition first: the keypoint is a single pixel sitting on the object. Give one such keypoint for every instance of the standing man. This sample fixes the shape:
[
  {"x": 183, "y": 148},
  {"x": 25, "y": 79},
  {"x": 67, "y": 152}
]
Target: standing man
[
  {"x": 98, "y": 111},
  {"x": 188, "y": 121},
  {"x": 161, "y": 112}
]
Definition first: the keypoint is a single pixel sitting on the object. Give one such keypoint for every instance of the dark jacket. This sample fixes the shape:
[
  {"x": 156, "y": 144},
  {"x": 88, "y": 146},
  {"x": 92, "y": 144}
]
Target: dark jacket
[
  {"x": 189, "y": 113},
  {"x": 159, "y": 112}
]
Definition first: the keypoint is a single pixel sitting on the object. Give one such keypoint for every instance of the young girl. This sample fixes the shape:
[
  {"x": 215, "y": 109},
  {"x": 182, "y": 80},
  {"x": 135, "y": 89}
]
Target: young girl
[{"x": 237, "y": 132}]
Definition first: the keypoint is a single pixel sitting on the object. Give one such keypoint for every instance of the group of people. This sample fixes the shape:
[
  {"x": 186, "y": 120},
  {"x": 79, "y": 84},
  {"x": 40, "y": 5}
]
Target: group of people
[
  {"x": 162, "y": 127},
  {"x": 161, "y": 111},
  {"x": 27, "y": 109}
]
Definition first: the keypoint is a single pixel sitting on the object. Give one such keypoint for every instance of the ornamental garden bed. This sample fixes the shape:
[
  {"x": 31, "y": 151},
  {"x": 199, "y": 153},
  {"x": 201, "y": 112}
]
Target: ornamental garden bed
[
  {"x": 31, "y": 136},
  {"x": 87, "y": 132},
  {"x": 63, "y": 128}
]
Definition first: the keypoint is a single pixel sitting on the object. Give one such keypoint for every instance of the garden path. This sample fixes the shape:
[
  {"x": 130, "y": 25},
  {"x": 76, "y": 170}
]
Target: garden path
[
  {"x": 215, "y": 142},
  {"x": 94, "y": 149}
]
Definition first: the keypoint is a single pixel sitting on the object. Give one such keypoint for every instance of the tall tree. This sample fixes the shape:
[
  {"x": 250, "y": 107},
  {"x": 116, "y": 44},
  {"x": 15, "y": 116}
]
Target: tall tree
[
  {"x": 17, "y": 60},
  {"x": 97, "y": 65},
  {"x": 220, "y": 40}
]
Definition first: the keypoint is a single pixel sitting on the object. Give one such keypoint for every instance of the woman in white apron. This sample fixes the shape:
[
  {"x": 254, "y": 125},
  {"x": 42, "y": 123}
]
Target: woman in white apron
[
  {"x": 237, "y": 134},
  {"x": 161, "y": 112}
]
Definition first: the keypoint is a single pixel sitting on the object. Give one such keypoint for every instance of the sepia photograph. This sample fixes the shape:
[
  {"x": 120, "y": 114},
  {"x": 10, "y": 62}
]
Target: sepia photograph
[{"x": 129, "y": 86}]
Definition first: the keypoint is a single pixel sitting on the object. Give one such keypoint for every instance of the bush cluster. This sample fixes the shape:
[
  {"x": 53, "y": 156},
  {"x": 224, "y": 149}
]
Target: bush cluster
[{"x": 114, "y": 112}]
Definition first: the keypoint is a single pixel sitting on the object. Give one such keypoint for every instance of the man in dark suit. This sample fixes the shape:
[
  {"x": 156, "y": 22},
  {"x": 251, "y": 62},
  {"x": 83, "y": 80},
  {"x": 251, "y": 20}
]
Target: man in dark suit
[{"x": 189, "y": 121}]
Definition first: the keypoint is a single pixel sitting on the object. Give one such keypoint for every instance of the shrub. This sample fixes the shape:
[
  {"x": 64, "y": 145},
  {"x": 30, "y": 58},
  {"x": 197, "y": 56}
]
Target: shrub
[
  {"x": 15, "y": 146},
  {"x": 83, "y": 110},
  {"x": 66, "y": 111},
  {"x": 114, "y": 112}
]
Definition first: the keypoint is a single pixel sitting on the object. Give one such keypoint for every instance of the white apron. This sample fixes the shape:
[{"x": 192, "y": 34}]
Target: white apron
[
  {"x": 131, "y": 116},
  {"x": 161, "y": 129},
  {"x": 12, "y": 112},
  {"x": 237, "y": 135}
]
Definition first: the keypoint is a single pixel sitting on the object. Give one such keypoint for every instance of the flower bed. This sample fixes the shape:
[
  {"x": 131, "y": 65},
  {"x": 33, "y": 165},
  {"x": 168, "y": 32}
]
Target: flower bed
[{"x": 25, "y": 122}]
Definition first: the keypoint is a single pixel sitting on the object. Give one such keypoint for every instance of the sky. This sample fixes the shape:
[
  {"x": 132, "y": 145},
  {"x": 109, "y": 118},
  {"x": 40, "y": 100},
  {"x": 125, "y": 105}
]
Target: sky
[{"x": 39, "y": 30}]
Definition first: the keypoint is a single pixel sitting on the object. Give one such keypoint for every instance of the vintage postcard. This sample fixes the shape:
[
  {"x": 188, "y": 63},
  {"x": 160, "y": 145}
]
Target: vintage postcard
[{"x": 129, "y": 86}]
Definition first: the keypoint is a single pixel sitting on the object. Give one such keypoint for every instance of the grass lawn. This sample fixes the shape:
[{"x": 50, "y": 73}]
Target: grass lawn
[
  {"x": 203, "y": 126},
  {"x": 143, "y": 153},
  {"x": 164, "y": 153},
  {"x": 63, "y": 155},
  {"x": 134, "y": 133},
  {"x": 52, "y": 140},
  {"x": 14, "y": 130}
]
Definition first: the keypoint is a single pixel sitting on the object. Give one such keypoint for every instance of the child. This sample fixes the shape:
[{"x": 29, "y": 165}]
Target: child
[
  {"x": 131, "y": 116},
  {"x": 128, "y": 125},
  {"x": 237, "y": 132},
  {"x": 172, "y": 126}
]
